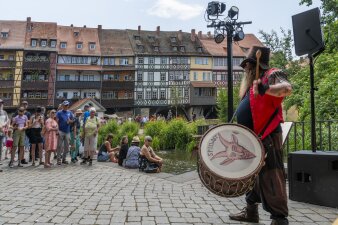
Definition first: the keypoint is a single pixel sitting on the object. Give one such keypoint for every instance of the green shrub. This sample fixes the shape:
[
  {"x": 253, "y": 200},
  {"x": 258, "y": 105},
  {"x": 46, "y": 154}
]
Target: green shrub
[
  {"x": 110, "y": 128},
  {"x": 154, "y": 128},
  {"x": 129, "y": 129}
]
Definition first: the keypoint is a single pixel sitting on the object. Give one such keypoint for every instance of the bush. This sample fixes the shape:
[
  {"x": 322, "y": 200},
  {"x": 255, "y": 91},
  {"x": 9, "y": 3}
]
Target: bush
[
  {"x": 129, "y": 129},
  {"x": 110, "y": 128}
]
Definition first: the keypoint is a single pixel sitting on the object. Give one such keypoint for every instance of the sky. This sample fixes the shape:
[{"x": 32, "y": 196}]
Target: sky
[{"x": 170, "y": 15}]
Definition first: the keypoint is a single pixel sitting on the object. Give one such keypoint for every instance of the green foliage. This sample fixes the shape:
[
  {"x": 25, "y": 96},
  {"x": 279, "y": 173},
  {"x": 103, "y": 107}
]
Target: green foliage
[
  {"x": 329, "y": 7},
  {"x": 153, "y": 128},
  {"x": 110, "y": 128},
  {"x": 129, "y": 129},
  {"x": 222, "y": 102}
]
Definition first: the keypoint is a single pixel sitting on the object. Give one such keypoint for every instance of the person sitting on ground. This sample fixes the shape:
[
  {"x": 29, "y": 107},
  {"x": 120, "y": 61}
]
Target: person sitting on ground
[
  {"x": 148, "y": 159},
  {"x": 106, "y": 152},
  {"x": 123, "y": 150},
  {"x": 131, "y": 160}
]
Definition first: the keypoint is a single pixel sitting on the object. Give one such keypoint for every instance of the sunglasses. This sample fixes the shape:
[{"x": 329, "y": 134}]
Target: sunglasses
[{"x": 21, "y": 111}]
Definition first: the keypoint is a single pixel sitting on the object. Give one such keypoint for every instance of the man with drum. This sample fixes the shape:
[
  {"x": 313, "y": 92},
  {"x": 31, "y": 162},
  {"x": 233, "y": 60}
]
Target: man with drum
[{"x": 262, "y": 92}]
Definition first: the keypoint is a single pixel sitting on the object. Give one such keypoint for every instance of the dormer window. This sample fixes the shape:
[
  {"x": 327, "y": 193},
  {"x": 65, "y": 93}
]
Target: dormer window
[
  {"x": 63, "y": 45},
  {"x": 199, "y": 49},
  {"x": 33, "y": 42},
  {"x": 53, "y": 43},
  {"x": 137, "y": 37},
  {"x": 4, "y": 34},
  {"x": 79, "y": 45},
  {"x": 76, "y": 33},
  {"x": 182, "y": 49},
  {"x": 156, "y": 49},
  {"x": 151, "y": 38},
  {"x": 173, "y": 39},
  {"x": 92, "y": 45},
  {"x": 175, "y": 48},
  {"x": 43, "y": 43},
  {"x": 140, "y": 48}
]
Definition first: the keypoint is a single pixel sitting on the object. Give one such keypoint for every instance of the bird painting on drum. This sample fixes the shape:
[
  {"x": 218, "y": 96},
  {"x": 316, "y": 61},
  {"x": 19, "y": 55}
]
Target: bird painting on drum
[{"x": 233, "y": 151}]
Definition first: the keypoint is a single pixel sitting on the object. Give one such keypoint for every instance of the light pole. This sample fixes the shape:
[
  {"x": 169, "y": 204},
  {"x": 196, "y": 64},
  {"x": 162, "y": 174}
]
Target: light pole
[{"x": 234, "y": 32}]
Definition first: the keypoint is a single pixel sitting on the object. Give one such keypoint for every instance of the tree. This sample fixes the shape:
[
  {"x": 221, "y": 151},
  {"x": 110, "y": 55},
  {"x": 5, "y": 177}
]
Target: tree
[{"x": 222, "y": 102}]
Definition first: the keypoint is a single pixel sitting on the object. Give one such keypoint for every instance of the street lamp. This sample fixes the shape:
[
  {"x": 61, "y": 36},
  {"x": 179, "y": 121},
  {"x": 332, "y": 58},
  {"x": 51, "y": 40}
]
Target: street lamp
[{"x": 234, "y": 32}]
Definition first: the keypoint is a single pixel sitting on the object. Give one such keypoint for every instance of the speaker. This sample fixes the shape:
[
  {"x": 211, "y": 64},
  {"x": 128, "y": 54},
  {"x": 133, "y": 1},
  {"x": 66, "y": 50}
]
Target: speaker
[
  {"x": 307, "y": 32},
  {"x": 313, "y": 177}
]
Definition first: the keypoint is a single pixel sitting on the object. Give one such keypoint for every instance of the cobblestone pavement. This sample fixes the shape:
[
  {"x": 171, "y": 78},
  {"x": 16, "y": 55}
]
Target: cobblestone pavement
[{"x": 106, "y": 194}]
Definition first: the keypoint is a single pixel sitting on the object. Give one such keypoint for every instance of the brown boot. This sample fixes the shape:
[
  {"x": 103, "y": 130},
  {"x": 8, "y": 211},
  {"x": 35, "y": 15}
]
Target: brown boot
[{"x": 248, "y": 214}]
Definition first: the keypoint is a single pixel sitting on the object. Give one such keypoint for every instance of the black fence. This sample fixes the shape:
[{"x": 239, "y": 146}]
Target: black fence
[{"x": 300, "y": 136}]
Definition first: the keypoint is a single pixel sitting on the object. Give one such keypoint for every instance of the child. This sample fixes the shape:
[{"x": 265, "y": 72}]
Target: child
[{"x": 9, "y": 142}]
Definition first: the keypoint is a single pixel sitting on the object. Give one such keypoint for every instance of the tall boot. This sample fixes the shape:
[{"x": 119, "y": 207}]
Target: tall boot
[{"x": 248, "y": 214}]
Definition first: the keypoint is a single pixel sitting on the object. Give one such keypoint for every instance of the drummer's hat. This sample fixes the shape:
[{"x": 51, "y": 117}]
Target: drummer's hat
[{"x": 264, "y": 59}]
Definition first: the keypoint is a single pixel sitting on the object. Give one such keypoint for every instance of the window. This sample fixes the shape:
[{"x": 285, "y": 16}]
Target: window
[
  {"x": 162, "y": 76},
  {"x": 108, "y": 61},
  {"x": 130, "y": 95},
  {"x": 139, "y": 95},
  {"x": 237, "y": 61},
  {"x": 173, "y": 39},
  {"x": 116, "y": 77},
  {"x": 195, "y": 76},
  {"x": 4, "y": 34},
  {"x": 33, "y": 42},
  {"x": 201, "y": 61},
  {"x": 162, "y": 94},
  {"x": 139, "y": 76},
  {"x": 199, "y": 49},
  {"x": 171, "y": 75},
  {"x": 31, "y": 95},
  {"x": 67, "y": 77},
  {"x": 182, "y": 49},
  {"x": 175, "y": 48},
  {"x": 126, "y": 94},
  {"x": 126, "y": 77},
  {"x": 76, "y": 33},
  {"x": 186, "y": 92},
  {"x": 63, "y": 45},
  {"x": 156, "y": 49},
  {"x": 91, "y": 94},
  {"x": 148, "y": 94},
  {"x": 137, "y": 37},
  {"x": 92, "y": 45},
  {"x": 44, "y": 95},
  {"x": 163, "y": 60},
  {"x": 151, "y": 60},
  {"x": 140, "y": 60},
  {"x": 79, "y": 45},
  {"x": 124, "y": 61},
  {"x": 53, "y": 43},
  {"x": 150, "y": 76},
  {"x": 43, "y": 43},
  {"x": 204, "y": 76},
  {"x": 151, "y": 38},
  {"x": 154, "y": 95},
  {"x": 140, "y": 47},
  {"x": 38, "y": 95},
  {"x": 75, "y": 94},
  {"x": 110, "y": 95},
  {"x": 2, "y": 57},
  {"x": 108, "y": 77}
]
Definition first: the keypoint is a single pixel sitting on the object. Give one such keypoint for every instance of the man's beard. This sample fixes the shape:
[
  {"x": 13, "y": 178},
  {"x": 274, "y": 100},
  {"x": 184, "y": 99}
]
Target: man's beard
[{"x": 246, "y": 82}]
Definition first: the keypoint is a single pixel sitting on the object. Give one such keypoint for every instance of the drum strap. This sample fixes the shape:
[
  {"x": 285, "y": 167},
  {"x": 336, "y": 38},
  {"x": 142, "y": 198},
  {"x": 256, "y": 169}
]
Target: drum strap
[{"x": 267, "y": 124}]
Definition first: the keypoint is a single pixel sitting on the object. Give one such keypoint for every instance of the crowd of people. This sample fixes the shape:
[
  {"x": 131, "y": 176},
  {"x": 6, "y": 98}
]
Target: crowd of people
[{"x": 60, "y": 133}]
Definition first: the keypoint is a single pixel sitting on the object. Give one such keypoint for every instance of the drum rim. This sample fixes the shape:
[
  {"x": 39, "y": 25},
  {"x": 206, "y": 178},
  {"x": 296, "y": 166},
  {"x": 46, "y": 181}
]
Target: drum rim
[{"x": 256, "y": 171}]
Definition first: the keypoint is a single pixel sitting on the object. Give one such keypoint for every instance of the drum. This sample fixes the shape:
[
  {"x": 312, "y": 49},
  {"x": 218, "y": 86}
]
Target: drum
[{"x": 230, "y": 157}]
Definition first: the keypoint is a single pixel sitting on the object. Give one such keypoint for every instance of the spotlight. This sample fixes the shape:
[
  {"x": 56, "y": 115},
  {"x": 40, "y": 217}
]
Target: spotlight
[
  {"x": 233, "y": 11},
  {"x": 239, "y": 34},
  {"x": 215, "y": 8},
  {"x": 219, "y": 38}
]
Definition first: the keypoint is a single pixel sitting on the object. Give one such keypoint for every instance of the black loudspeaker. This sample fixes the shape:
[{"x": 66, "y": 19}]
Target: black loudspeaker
[
  {"x": 307, "y": 32},
  {"x": 313, "y": 177}
]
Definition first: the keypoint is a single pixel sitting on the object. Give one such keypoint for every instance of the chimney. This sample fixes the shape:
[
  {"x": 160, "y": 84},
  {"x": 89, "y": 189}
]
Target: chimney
[
  {"x": 193, "y": 35},
  {"x": 84, "y": 26},
  {"x": 99, "y": 27},
  {"x": 139, "y": 29},
  {"x": 158, "y": 29},
  {"x": 209, "y": 34},
  {"x": 29, "y": 19},
  {"x": 179, "y": 35},
  {"x": 71, "y": 25},
  {"x": 199, "y": 34}
]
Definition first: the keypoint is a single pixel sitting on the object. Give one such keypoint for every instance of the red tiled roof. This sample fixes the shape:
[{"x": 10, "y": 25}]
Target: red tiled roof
[{"x": 16, "y": 34}]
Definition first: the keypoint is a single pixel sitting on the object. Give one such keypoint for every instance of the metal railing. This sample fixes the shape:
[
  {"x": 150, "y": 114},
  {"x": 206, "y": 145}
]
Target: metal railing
[{"x": 300, "y": 136}]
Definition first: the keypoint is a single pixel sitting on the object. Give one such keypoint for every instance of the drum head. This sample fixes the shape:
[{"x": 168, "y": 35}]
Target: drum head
[{"x": 231, "y": 151}]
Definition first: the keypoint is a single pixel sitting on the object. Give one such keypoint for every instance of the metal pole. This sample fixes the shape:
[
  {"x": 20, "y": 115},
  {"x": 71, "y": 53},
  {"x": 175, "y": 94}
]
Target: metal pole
[
  {"x": 313, "y": 117},
  {"x": 230, "y": 84}
]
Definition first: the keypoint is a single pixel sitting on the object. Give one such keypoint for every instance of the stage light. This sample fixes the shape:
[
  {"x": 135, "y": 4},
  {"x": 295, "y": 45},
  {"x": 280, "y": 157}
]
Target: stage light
[
  {"x": 219, "y": 38},
  {"x": 239, "y": 35},
  {"x": 233, "y": 11},
  {"x": 215, "y": 8}
]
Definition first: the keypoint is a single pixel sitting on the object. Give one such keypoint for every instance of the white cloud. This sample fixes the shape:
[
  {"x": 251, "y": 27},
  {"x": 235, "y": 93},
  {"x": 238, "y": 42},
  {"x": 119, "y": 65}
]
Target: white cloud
[{"x": 175, "y": 8}]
